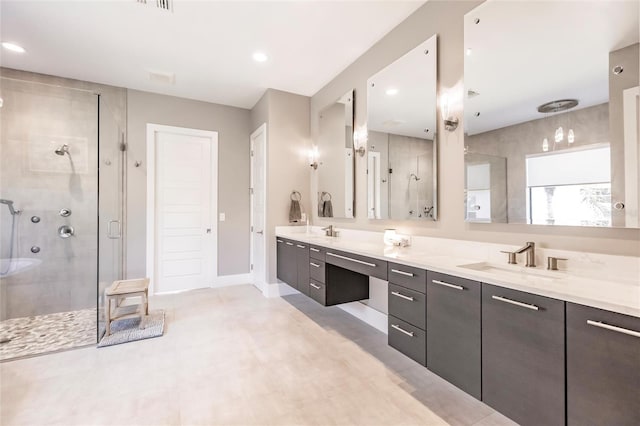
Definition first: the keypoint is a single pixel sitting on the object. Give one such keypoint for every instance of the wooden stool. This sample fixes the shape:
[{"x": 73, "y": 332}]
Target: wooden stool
[{"x": 119, "y": 292}]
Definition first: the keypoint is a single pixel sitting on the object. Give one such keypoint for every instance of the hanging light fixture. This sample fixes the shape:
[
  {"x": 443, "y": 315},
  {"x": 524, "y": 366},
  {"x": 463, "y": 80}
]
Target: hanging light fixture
[{"x": 555, "y": 107}]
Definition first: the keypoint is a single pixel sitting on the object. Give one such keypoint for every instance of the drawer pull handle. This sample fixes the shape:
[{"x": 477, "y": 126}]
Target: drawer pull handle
[
  {"x": 314, "y": 249},
  {"x": 299, "y": 246},
  {"x": 614, "y": 328},
  {"x": 288, "y": 243},
  {"x": 406, "y": 274},
  {"x": 317, "y": 287},
  {"x": 515, "y": 302},
  {"x": 315, "y": 265},
  {"x": 362, "y": 262},
  {"x": 280, "y": 241},
  {"x": 442, "y": 283},
  {"x": 402, "y": 296},
  {"x": 401, "y": 330}
]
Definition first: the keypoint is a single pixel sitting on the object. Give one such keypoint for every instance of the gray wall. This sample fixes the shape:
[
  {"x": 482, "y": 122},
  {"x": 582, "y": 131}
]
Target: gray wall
[
  {"x": 445, "y": 18},
  {"x": 232, "y": 125},
  {"x": 288, "y": 144}
]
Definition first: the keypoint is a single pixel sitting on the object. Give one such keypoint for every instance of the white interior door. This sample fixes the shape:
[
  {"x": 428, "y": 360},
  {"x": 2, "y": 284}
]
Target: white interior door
[
  {"x": 185, "y": 234},
  {"x": 258, "y": 203}
]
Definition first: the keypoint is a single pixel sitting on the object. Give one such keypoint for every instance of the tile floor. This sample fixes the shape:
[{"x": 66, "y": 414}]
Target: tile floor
[
  {"x": 232, "y": 357},
  {"x": 28, "y": 336}
]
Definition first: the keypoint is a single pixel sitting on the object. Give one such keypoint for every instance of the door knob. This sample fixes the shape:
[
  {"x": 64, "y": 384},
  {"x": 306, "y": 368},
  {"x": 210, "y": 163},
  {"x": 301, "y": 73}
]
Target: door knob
[
  {"x": 260, "y": 232},
  {"x": 208, "y": 230}
]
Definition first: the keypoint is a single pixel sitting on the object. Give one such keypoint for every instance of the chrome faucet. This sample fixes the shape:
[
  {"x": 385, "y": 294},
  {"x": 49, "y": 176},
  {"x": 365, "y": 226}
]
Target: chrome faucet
[
  {"x": 530, "y": 249},
  {"x": 330, "y": 232}
]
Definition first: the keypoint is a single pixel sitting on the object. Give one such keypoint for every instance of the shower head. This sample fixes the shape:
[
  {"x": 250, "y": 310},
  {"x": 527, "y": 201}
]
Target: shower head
[
  {"x": 64, "y": 149},
  {"x": 9, "y": 204}
]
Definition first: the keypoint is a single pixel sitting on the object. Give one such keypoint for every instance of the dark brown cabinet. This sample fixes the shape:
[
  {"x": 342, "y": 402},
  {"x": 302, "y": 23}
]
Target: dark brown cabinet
[
  {"x": 523, "y": 355},
  {"x": 302, "y": 268},
  {"x": 287, "y": 266},
  {"x": 603, "y": 367},
  {"x": 454, "y": 331}
]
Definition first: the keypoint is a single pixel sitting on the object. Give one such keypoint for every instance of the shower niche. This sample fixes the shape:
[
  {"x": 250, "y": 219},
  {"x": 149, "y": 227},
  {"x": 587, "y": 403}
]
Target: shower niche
[{"x": 402, "y": 140}]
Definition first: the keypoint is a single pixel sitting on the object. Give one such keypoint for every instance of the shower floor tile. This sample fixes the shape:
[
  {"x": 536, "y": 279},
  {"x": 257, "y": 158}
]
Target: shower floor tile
[{"x": 41, "y": 334}]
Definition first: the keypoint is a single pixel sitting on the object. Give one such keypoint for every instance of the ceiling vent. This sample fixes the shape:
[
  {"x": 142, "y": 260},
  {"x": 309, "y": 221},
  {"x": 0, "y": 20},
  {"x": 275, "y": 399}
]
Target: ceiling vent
[
  {"x": 159, "y": 4},
  {"x": 162, "y": 77}
]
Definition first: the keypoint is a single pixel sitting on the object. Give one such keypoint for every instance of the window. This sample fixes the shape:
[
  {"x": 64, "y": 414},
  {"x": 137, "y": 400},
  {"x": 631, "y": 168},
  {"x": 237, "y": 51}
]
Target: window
[{"x": 570, "y": 187}]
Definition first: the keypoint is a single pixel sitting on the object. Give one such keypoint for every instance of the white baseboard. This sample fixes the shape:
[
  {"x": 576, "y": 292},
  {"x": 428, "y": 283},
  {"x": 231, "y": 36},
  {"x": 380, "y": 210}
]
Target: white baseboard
[
  {"x": 227, "y": 280},
  {"x": 277, "y": 290},
  {"x": 375, "y": 319}
]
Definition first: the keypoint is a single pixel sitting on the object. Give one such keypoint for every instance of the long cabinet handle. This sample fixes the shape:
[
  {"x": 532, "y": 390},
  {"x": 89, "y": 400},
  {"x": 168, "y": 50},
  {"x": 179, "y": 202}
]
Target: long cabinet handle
[
  {"x": 315, "y": 265},
  {"x": 362, "y": 262},
  {"x": 288, "y": 243},
  {"x": 314, "y": 249},
  {"x": 457, "y": 287},
  {"x": 317, "y": 287},
  {"x": 280, "y": 241},
  {"x": 515, "y": 302},
  {"x": 614, "y": 328},
  {"x": 299, "y": 246},
  {"x": 402, "y": 330},
  {"x": 407, "y": 274},
  {"x": 402, "y": 296}
]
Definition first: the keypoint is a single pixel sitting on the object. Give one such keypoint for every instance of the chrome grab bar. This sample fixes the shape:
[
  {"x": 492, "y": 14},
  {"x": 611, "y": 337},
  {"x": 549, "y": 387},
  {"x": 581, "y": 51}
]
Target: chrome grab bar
[
  {"x": 373, "y": 265},
  {"x": 408, "y": 274},
  {"x": 442, "y": 283},
  {"x": 400, "y": 329},
  {"x": 515, "y": 302},
  {"x": 395, "y": 293},
  {"x": 614, "y": 328}
]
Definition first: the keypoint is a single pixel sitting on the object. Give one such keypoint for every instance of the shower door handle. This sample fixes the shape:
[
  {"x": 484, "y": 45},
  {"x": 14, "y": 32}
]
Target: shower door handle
[{"x": 110, "y": 233}]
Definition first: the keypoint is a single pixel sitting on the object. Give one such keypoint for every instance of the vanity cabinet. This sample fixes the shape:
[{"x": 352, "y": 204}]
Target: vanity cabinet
[
  {"x": 361, "y": 264},
  {"x": 302, "y": 268},
  {"x": 454, "y": 331},
  {"x": 603, "y": 367},
  {"x": 523, "y": 355},
  {"x": 287, "y": 265},
  {"x": 407, "y": 311}
]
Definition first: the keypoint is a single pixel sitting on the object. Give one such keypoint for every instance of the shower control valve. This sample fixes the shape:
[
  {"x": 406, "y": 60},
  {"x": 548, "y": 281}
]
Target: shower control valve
[{"x": 65, "y": 212}]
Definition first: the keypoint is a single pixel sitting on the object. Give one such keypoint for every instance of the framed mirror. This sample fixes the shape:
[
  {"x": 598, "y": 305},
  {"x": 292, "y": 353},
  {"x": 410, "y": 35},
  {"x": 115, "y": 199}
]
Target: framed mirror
[
  {"x": 551, "y": 113},
  {"x": 402, "y": 142},
  {"x": 336, "y": 159}
]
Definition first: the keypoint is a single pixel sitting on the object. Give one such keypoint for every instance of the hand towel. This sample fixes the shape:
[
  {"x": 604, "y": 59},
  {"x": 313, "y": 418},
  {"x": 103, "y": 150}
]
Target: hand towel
[{"x": 295, "y": 213}]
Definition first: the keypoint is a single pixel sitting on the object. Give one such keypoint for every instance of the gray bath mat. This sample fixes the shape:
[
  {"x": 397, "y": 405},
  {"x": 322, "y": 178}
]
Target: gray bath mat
[{"x": 128, "y": 330}]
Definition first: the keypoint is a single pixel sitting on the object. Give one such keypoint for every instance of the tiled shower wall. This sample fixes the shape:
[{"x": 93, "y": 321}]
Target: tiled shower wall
[{"x": 36, "y": 119}]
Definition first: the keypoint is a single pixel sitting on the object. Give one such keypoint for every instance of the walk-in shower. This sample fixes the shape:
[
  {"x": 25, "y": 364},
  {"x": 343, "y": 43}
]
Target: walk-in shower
[{"x": 51, "y": 278}]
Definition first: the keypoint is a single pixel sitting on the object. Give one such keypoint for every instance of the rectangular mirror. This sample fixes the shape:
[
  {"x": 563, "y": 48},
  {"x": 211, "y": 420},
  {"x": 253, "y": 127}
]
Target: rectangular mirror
[
  {"x": 336, "y": 159},
  {"x": 551, "y": 113},
  {"x": 402, "y": 144}
]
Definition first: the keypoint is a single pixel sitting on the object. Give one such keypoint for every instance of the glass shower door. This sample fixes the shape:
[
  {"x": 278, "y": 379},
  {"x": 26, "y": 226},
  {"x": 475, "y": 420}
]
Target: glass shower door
[{"x": 111, "y": 160}]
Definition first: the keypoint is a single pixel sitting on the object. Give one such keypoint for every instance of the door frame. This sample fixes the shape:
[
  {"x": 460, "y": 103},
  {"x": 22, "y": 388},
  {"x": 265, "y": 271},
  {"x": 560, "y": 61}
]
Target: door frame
[
  {"x": 152, "y": 129},
  {"x": 261, "y": 282}
]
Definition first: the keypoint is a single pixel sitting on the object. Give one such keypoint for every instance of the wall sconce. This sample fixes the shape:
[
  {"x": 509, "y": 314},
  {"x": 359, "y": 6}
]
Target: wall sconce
[
  {"x": 313, "y": 158},
  {"x": 450, "y": 122},
  {"x": 360, "y": 141}
]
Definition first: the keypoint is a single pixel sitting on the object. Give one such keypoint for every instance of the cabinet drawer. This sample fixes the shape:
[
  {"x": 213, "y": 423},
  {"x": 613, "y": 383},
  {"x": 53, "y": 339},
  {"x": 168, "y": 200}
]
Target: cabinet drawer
[
  {"x": 407, "y": 276},
  {"x": 360, "y": 264},
  {"x": 316, "y": 269},
  {"x": 453, "y": 340},
  {"x": 407, "y": 305},
  {"x": 523, "y": 355},
  {"x": 317, "y": 252},
  {"x": 603, "y": 367},
  {"x": 408, "y": 339},
  {"x": 318, "y": 292}
]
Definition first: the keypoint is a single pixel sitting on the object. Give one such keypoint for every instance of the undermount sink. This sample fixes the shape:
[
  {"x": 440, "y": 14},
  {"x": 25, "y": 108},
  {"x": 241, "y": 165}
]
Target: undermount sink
[{"x": 513, "y": 270}]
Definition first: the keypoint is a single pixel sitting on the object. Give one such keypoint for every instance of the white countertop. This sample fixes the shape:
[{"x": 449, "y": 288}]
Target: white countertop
[{"x": 620, "y": 295}]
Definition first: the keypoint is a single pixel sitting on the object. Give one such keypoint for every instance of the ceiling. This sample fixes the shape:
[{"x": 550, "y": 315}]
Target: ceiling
[
  {"x": 207, "y": 45},
  {"x": 527, "y": 53}
]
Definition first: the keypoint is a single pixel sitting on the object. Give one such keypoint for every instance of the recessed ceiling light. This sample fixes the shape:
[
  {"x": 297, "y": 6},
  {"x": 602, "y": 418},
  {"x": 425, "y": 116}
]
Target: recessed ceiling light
[
  {"x": 13, "y": 47},
  {"x": 260, "y": 57},
  {"x": 392, "y": 92}
]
